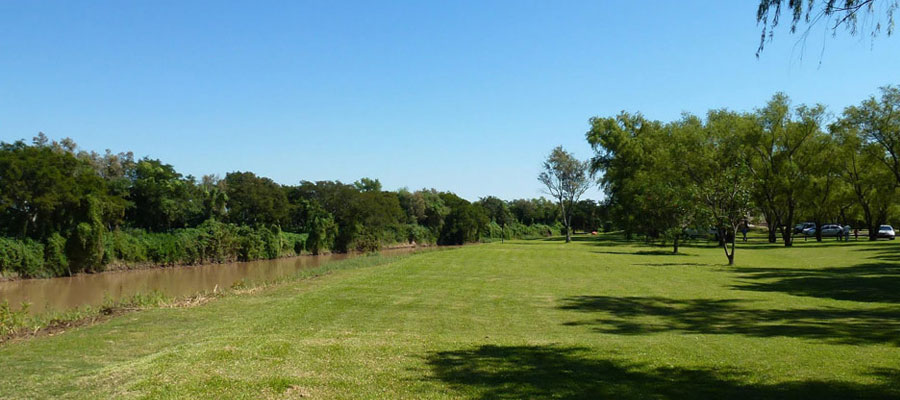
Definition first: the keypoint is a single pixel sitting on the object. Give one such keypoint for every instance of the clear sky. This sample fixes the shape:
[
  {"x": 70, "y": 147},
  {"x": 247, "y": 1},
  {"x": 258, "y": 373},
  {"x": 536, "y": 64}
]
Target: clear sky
[{"x": 466, "y": 96}]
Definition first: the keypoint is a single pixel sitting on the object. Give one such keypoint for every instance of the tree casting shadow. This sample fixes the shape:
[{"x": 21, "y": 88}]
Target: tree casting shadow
[
  {"x": 872, "y": 282},
  {"x": 530, "y": 372},
  {"x": 645, "y": 315}
]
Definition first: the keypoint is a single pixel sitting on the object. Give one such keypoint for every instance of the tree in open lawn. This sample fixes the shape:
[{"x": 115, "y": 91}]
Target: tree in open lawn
[
  {"x": 823, "y": 192},
  {"x": 779, "y": 142},
  {"x": 720, "y": 179},
  {"x": 870, "y": 180},
  {"x": 877, "y": 121},
  {"x": 620, "y": 154},
  {"x": 566, "y": 179},
  {"x": 642, "y": 174}
]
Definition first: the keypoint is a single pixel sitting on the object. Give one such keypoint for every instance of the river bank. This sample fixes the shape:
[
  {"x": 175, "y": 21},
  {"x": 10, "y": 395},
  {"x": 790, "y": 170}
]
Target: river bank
[
  {"x": 23, "y": 323},
  {"x": 125, "y": 266}
]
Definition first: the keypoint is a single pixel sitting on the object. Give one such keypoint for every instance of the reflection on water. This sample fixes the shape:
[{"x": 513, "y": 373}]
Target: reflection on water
[{"x": 58, "y": 294}]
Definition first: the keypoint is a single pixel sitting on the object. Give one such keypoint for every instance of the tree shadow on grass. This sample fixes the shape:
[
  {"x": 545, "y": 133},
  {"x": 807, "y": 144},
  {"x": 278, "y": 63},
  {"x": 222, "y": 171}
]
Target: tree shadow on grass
[
  {"x": 531, "y": 372},
  {"x": 872, "y": 282},
  {"x": 665, "y": 253},
  {"x": 882, "y": 252},
  {"x": 673, "y": 264},
  {"x": 647, "y": 315}
]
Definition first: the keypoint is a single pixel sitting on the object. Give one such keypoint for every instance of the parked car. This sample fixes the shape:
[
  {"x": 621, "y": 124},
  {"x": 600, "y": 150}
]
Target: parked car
[
  {"x": 830, "y": 230},
  {"x": 886, "y": 231},
  {"x": 803, "y": 226}
]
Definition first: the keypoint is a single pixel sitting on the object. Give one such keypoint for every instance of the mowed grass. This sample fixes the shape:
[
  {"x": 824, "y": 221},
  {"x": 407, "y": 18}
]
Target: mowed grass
[{"x": 597, "y": 318}]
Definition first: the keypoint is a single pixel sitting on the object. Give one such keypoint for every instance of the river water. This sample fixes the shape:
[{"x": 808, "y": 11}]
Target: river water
[{"x": 58, "y": 294}]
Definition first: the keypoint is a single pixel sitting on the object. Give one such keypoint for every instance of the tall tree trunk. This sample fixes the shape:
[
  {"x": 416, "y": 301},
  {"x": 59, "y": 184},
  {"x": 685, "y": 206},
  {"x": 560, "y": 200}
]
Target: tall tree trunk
[
  {"x": 675, "y": 250},
  {"x": 818, "y": 223},
  {"x": 788, "y": 231},
  {"x": 870, "y": 221},
  {"x": 771, "y": 226}
]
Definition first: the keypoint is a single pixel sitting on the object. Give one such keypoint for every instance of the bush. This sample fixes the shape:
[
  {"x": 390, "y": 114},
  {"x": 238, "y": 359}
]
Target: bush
[
  {"x": 367, "y": 242},
  {"x": 419, "y": 234},
  {"x": 23, "y": 257},
  {"x": 55, "y": 261},
  {"x": 521, "y": 231},
  {"x": 293, "y": 244},
  {"x": 126, "y": 246},
  {"x": 217, "y": 241},
  {"x": 84, "y": 248},
  {"x": 89, "y": 248}
]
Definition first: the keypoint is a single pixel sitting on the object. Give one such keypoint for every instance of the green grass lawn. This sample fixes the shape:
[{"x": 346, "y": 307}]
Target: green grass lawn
[{"x": 597, "y": 318}]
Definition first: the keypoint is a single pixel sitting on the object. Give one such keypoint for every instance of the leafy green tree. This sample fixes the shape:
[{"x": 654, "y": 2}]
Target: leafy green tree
[
  {"x": 464, "y": 223},
  {"x": 368, "y": 185},
  {"x": 566, "y": 179},
  {"x": 821, "y": 192},
  {"x": 214, "y": 196},
  {"x": 877, "y": 120},
  {"x": 720, "y": 180},
  {"x": 254, "y": 200},
  {"x": 44, "y": 189},
  {"x": 869, "y": 179},
  {"x": 413, "y": 205},
  {"x": 525, "y": 211},
  {"x": 779, "y": 147},
  {"x": 436, "y": 211},
  {"x": 619, "y": 154},
  {"x": 161, "y": 197},
  {"x": 321, "y": 227},
  {"x": 497, "y": 211},
  {"x": 586, "y": 215}
]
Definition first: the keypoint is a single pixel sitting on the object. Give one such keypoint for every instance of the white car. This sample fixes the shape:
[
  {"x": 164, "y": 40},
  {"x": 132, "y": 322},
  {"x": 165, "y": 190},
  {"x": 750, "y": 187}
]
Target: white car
[{"x": 886, "y": 231}]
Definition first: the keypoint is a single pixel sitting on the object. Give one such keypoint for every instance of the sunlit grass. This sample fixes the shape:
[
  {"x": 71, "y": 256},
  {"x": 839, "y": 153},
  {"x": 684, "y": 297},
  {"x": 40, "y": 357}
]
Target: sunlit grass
[{"x": 524, "y": 319}]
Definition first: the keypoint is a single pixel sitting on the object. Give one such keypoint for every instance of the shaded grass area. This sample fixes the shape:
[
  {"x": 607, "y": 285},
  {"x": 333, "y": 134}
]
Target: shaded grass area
[
  {"x": 519, "y": 372},
  {"x": 523, "y": 319}
]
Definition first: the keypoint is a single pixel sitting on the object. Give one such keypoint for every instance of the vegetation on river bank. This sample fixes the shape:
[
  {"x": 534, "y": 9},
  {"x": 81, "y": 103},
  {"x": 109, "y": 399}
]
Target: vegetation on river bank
[{"x": 65, "y": 211}]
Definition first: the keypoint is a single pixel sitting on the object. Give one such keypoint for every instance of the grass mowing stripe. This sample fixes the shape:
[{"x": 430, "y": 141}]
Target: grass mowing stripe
[{"x": 524, "y": 319}]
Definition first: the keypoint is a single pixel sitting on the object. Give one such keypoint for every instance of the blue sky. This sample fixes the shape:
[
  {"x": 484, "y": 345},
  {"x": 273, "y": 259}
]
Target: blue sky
[{"x": 467, "y": 96}]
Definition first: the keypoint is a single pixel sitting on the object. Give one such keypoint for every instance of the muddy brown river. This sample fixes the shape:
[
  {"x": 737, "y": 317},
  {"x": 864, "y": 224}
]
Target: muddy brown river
[{"x": 58, "y": 294}]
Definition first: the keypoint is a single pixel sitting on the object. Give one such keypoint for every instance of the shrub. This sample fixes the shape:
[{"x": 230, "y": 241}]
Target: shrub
[
  {"x": 293, "y": 243},
  {"x": 55, "y": 261},
  {"x": 126, "y": 246},
  {"x": 419, "y": 234},
  {"x": 251, "y": 245},
  {"x": 85, "y": 249},
  {"x": 24, "y": 257}
]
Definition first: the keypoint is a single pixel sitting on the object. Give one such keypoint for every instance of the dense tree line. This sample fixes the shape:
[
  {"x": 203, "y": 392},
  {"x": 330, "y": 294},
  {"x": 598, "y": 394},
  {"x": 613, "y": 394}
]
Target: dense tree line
[
  {"x": 781, "y": 164},
  {"x": 64, "y": 210}
]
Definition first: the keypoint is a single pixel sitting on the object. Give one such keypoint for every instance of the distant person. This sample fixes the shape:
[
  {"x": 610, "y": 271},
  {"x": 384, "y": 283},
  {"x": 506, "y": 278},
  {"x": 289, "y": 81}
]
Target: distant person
[
  {"x": 856, "y": 234},
  {"x": 744, "y": 230},
  {"x": 847, "y": 233}
]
